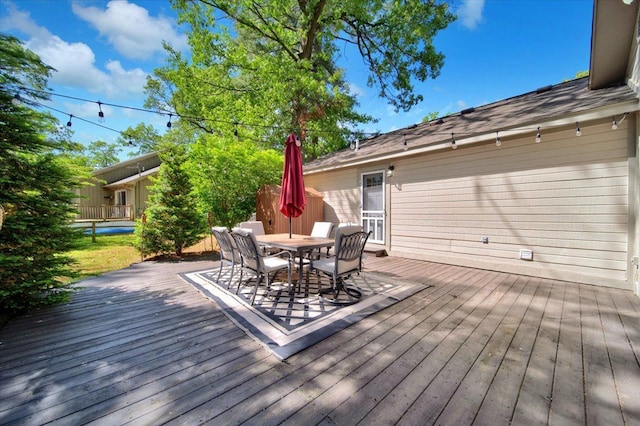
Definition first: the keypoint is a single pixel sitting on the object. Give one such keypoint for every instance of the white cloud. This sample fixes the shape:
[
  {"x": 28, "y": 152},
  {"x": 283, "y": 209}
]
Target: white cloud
[
  {"x": 470, "y": 13},
  {"x": 356, "y": 90},
  {"x": 130, "y": 29},
  {"x": 74, "y": 61},
  {"x": 131, "y": 81}
]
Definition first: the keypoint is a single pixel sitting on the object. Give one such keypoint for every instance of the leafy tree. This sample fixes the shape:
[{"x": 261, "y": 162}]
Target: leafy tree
[
  {"x": 144, "y": 137},
  {"x": 226, "y": 177},
  {"x": 36, "y": 187},
  {"x": 264, "y": 69},
  {"x": 102, "y": 154},
  {"x": 173, "y": 221},
  {"x": 431, "y": 116}
]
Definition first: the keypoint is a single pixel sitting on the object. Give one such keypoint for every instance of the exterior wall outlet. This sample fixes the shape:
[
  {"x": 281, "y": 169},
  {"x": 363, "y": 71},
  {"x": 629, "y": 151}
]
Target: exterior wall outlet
[
  {"x": 485, "y": 240},
  {"x": 526, "y": 254}
]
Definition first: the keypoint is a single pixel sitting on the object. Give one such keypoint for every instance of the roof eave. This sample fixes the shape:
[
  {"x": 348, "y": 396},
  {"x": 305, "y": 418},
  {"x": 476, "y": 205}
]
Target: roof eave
[
  {"x": 547, "y": 123},
  {"x": 611, "y": 38}
]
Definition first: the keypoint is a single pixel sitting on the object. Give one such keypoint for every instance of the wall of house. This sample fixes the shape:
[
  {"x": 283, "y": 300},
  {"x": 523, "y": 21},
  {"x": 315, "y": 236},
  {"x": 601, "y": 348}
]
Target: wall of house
[
  {"x": 97, "y": 195},
  {"x": 634, "y": 203},
  {"x": 341, "y": 191},
  {"x": 93, "y": 195},
  {"x": 566, "y": 199}
]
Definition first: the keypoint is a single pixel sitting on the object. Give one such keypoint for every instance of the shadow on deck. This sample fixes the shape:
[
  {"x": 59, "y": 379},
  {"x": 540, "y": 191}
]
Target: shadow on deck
[{"x": 482, "y": 347}]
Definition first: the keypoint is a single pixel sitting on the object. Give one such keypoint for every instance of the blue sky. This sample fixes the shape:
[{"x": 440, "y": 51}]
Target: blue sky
[{"x": 103, "y": 51}]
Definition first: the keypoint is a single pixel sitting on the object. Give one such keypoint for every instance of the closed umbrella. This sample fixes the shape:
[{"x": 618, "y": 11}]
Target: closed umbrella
[{"x": 292, "y": 195}]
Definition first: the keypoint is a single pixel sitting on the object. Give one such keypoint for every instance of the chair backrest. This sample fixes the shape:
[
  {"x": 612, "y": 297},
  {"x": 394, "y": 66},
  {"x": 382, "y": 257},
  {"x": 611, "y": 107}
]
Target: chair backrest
[
  {"x": 322, "y": 229},
  {"x": 249, "y": 249},
  {"x": 349, "y": 248},
  {"x": 256, "y": 226},
  {"x": 347, "y": 229},
  {"x": 228, "y": 249}
]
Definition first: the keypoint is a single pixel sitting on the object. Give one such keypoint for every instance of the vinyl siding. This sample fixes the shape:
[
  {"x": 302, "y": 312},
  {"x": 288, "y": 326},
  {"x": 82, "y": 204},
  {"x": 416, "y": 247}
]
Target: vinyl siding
[
  {"x": 566, "y": 199},
  {"x": 341, "y": 191}
]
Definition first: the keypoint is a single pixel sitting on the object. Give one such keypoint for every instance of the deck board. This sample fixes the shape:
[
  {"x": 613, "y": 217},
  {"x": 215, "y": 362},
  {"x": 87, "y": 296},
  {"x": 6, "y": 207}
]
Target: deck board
[
  {"x": 141, "y": 346},
  {"x": 601, "y": 403},
  {"x": 568, "y": 384}
]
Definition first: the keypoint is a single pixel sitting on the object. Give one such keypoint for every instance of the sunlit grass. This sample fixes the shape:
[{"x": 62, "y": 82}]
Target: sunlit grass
[
  {"x": 113, "y": 252},
  {"x": 108, "y": 253}
]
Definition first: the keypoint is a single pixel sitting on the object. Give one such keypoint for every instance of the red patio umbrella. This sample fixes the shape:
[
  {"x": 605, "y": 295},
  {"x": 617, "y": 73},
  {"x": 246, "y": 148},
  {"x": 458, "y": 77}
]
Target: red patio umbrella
[{"x": 293, "y": 197}]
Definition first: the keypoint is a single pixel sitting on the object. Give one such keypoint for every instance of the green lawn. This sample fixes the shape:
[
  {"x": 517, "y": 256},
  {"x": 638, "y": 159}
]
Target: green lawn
[
  {"x": 108, "y": 253},
  {"x": 112, "y": 252}
]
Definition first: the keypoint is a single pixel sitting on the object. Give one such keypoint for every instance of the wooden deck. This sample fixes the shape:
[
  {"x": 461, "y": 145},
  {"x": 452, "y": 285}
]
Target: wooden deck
[{"x": 140, "y": 345}]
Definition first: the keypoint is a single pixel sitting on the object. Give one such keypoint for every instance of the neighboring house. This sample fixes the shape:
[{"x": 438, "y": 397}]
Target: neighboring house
[
  {"x": 120, "y": 191},
  {"x": 558, "y": 198}
]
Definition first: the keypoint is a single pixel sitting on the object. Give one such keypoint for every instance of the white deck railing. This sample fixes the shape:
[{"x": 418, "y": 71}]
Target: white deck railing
[{"x": 105, "y": 212}]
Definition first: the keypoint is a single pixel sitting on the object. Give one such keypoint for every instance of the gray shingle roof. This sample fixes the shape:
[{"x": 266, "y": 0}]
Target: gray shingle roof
[{"x": 528, "y": 110}]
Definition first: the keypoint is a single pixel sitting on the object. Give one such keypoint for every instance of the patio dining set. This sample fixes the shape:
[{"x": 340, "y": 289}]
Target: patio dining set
[{"x": 259, "y": 257}]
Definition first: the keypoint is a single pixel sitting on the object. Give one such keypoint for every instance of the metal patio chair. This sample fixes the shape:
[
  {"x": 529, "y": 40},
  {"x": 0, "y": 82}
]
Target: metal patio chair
[
  {"x": 346, "y": 260},
  {"x": 229, "y": 253},
  {"x": 257, "y": 263}
]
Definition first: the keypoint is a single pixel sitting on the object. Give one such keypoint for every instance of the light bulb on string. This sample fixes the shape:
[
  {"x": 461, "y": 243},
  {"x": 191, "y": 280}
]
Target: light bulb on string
[
  {"x": 498, "y": 141},
  {"x": 578, "y": 131},
  {"x": 169, "y": 122},
  {"x": 17, "y": 100},
  {"x": 404, "y": 142},
  {"x": 453, "y": 142},
  {"x": 69, "y": 122},
  {"x": 614, "y": 124},
  {"x": 100, "y": 113},
  {"x": 538, "y": 136}
]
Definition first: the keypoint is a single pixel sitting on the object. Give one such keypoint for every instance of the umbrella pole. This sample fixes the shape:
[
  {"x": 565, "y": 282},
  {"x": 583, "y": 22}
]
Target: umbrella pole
[{"x": 289, "y": 227}]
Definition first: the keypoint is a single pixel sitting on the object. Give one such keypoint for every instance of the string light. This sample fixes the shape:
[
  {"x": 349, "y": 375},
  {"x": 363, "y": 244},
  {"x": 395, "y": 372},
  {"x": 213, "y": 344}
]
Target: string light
[
  {"x": 100, "y": 113},
  {"x": 17, "y": 100},
  {"x": 404, "y": 142}
]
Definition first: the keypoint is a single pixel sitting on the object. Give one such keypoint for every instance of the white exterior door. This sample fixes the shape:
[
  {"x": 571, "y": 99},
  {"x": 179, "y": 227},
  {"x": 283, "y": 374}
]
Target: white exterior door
[{"x": 372, "y": 214}]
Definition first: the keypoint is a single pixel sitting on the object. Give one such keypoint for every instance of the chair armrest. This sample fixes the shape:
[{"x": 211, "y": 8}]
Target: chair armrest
[{"x": 281, "y": 253}]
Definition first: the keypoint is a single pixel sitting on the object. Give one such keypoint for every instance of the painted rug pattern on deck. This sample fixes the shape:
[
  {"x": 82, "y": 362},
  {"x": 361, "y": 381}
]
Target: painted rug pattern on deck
[{"x": 288, "y": 323}]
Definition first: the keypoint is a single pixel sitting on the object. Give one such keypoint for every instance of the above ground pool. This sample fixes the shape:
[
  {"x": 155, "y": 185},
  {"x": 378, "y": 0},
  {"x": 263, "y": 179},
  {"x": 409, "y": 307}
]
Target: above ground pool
[{"x": 111, "y": 230}]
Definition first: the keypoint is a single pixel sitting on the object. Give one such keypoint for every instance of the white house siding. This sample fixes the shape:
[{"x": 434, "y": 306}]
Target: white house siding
[
  {"x": 566, "y": 199},
  {"x": 341, "y": 191}
]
